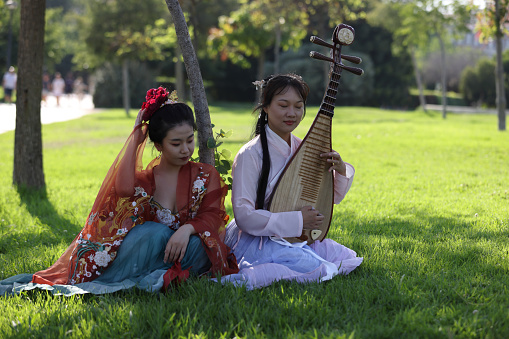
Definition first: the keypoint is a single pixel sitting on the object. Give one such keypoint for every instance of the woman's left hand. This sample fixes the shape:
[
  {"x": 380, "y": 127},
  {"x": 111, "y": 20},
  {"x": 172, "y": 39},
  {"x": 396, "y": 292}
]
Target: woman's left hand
[
  {"x": 337, "y": 164},
  {"x": 177, "y": 245}
]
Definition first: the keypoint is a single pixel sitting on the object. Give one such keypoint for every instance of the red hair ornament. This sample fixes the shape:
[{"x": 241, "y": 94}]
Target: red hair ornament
[{"x": 155, "y": 99}]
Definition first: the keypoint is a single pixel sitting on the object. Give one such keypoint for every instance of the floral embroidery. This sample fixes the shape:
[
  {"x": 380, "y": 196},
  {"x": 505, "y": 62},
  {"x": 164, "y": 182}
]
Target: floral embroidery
[
  {"x": 199, "y": 191},
  {"x": 102, "y": 258},
  {"x": 166, "y": 217},
  {"x": 91, "y": 258},
  {"x": 199, "y": 184},
  {"x": 91, "y": 218},
  {"x": 121, "y": 231},
  {"x": 140, "y": 190}
]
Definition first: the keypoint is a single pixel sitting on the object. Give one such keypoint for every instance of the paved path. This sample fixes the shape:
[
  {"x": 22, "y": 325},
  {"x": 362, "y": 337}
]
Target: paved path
[
  {"x": 464, "y": 109},
  {"x": 70, "y": 108}
]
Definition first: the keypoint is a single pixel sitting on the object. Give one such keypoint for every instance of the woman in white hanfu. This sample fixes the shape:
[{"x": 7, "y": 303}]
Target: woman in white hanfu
[{"x": 256, "y": 235}]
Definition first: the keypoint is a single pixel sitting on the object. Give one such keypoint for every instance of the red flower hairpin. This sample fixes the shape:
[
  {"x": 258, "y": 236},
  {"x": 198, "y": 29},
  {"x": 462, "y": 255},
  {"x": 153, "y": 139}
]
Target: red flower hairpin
[{"x": 155, "y": 99}]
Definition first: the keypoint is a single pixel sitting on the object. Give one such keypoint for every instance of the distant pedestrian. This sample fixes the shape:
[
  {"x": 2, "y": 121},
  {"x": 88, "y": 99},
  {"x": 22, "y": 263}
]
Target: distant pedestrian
[
  {"x": 58, "y": 87},
  {"x": 9, "y": 84},
  {"x": 46, "y": 86},
  {"x": 69, "y": 83},
  {"x": 80, "y": 88}
]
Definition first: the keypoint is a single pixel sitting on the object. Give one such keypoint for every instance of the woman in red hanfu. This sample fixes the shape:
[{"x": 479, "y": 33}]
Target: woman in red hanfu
[{"x": 149, "y": 227}]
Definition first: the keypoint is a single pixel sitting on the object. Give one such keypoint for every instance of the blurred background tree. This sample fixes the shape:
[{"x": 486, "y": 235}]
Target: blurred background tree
[{"x": 237, "y": 42}]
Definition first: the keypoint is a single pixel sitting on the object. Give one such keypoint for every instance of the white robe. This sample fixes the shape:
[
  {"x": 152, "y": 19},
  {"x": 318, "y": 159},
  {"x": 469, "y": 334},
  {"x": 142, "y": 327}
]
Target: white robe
[{"x": 255, "y": 235}]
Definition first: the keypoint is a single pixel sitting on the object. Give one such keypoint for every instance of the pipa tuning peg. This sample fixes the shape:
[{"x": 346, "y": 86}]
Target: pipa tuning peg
[
  {"x": 321, "y": 42},
  {"x": 353, "y": 59},
  {"x": 320, "y": 56},
  {"x": 354, "y": 70}
]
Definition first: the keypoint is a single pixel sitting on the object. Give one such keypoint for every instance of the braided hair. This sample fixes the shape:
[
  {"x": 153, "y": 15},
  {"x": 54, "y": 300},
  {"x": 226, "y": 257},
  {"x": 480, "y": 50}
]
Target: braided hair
[{"x": 272, "y": 86}]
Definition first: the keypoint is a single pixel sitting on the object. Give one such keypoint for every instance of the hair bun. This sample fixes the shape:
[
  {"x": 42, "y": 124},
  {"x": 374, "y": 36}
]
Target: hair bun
[{"x": 154, "y": 99}]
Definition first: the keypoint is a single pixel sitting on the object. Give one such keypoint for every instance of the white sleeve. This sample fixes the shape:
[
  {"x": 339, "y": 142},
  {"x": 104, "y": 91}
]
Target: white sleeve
[
  {"x": 342, "y": 184},
  {"x": 258, "y": 222}
]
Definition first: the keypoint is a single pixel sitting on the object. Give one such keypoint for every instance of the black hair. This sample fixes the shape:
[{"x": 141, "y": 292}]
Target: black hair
[
  {"x": 168, "y": 117},
  {"x": 272, "y": 86}
]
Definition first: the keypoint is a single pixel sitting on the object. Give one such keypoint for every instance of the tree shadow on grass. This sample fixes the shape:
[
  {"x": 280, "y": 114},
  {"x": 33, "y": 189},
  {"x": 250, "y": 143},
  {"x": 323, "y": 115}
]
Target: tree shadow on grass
[{"x": 56, "y": 229}]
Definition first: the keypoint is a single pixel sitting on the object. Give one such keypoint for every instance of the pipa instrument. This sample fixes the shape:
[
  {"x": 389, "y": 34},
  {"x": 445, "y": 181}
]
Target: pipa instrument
[{"x": 306, "y": 179}]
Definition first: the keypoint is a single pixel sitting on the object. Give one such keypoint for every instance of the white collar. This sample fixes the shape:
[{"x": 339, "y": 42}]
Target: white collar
[{"x": 278, "y": 143}]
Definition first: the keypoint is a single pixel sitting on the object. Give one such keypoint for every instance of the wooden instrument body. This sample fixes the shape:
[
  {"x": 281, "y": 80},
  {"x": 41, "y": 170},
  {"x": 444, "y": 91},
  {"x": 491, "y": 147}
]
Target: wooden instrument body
[{"x": 306, "y": 179}]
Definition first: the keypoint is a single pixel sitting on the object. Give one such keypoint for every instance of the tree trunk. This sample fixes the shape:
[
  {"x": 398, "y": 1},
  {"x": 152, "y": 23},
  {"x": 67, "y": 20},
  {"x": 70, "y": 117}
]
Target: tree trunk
[
  {"x": 260, "y": 75},
  {"x": 201, "y": 108},
  {"x": 277, "y": 47},
  {"x": 444, "y": 77},
  {"x": 418, "y": 79},
  {"x": 28, "y": 165},
  {"x": 125, "y": 87},
  {"x": 179, "y": 75},
  {"x": 499, "y": 76}
]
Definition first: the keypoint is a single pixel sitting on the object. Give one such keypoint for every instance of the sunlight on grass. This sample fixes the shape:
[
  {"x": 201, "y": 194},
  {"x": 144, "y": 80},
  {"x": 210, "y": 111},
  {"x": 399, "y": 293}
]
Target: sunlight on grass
[{"x": 428, "y": 211}]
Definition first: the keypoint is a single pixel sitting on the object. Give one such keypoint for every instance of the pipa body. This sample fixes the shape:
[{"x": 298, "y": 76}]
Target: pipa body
[{"x": 306, "y": 179}]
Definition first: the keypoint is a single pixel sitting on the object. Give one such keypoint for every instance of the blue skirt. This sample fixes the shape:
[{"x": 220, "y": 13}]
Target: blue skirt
[{"x": 139, "y": 263}]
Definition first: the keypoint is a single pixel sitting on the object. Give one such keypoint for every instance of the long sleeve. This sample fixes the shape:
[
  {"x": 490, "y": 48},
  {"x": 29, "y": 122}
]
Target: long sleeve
[
  {"x": 210, "y": 215},
  {"x": 205, "y": 193},
  {"x": 130, "y": 163},
  {"x": 258, "y": 222},
  {"x": 342, "y": 184}
]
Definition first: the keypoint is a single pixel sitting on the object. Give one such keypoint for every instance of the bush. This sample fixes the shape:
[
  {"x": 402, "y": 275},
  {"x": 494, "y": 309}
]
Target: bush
[
  {"x": 108, "y": 85},
  {"x": 477, "y": 84},
  {"x": 353, "y": 89}
]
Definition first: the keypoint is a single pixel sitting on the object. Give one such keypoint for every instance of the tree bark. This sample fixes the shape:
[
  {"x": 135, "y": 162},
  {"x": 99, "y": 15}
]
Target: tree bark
[
  {"x": 28, "y": 164},
  {"x": 277, "y": 47},
  {"x": 201, "y": 108},
  {"x": 499, "y": 76},
  {"x": 125, "y": 87},
  {"x": 260, "y": 76},
  {"x": 418, "y": 79},
  {"x": 179, "y": 75},
  {"x": 444, "y": 77}
]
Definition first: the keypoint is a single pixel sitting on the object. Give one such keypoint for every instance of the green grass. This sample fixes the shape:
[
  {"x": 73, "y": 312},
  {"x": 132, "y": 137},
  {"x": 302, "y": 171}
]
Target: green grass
[{"x": 428, "y": 211}]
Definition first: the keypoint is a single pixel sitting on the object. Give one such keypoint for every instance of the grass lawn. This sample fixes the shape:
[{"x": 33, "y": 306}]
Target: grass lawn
[{"x": 428, "y": 211}]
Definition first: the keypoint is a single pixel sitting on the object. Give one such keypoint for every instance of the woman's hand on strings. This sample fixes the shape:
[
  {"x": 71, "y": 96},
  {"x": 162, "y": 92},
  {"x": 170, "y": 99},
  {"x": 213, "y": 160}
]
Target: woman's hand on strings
[
  {"x": 177, "y": 245},
  {"x": 337, "y": 164},
  {"x": 312, "y": 219}
]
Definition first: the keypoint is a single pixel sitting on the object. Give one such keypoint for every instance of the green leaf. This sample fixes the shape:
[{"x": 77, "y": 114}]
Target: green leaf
[
  {"x": 211, "y": 143},
  {"x": 228, "y": 134},
  {"x": 226, "y": 164},
  {"x": 221, "y": 169},
  {"x": 218, "y": 144},
  {"x": 226, "y": 153}
]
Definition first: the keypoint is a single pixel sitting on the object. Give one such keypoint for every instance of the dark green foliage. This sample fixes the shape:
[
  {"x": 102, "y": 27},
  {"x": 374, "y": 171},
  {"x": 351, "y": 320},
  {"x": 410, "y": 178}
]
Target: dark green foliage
[
  {"x": 225, "y": 81},
  {"x": 477, "y": 84},
  {"x": 108, "y": 88},
  {"x": 393, "y": 74},
  {"x": 353, "y": 89}
]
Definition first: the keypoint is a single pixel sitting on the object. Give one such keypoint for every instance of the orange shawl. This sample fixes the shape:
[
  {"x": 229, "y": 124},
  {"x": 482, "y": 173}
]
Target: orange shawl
[{"x": 200, "y": 202}]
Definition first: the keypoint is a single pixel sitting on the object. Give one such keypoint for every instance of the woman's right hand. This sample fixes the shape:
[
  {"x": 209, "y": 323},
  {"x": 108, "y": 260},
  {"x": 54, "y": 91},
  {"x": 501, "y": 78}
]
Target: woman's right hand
[
  {"x": 312, "y": 219},
  {"x": 139, "y": 118}
]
